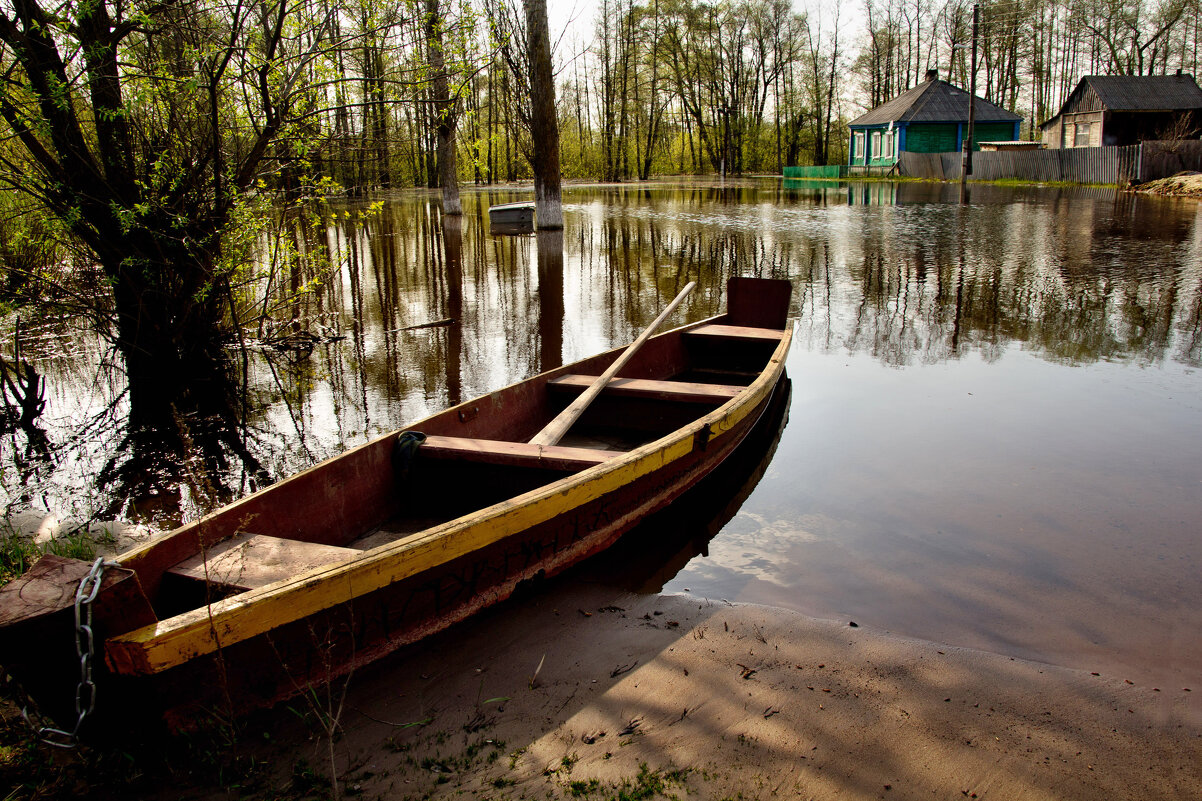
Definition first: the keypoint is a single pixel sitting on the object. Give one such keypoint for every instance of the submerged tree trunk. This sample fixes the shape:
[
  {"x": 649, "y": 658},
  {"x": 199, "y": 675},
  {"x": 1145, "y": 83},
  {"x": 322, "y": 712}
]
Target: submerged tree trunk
[
  {"x": 444, "y": 109},
  {"x": 544, "y": 126},
  {"x": 185, "y": 422}
]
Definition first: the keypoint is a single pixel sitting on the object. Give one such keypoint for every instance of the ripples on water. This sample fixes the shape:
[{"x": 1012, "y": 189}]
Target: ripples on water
[{"x": 995, "y": 428}]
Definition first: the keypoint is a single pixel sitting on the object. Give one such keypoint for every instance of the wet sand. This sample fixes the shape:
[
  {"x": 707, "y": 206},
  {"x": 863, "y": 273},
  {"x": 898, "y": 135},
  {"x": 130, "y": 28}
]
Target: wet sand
[{"x": 584, "y": 691}]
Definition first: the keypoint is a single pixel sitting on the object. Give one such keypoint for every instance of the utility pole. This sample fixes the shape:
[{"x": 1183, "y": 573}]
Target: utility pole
[{"x": 966, "y": 158}]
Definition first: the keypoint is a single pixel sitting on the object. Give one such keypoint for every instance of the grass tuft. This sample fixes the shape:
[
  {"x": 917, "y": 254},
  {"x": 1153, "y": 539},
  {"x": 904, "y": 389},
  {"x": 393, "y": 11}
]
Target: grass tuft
[{"x": 17, "y": 553}]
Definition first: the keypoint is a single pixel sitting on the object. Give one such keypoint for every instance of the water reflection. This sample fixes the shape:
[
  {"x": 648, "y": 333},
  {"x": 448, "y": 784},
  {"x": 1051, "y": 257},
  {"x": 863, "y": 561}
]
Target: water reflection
[
  {"x": 943, "y": 351},
  {"x": 653, "y": 553},
  {"x": 550, "y": 299},
  {"x": 433, "y": 311}
]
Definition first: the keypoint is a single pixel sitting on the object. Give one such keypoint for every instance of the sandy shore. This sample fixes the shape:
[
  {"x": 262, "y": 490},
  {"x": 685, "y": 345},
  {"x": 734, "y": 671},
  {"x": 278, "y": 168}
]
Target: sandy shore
[
  {"x": 584, "y": 691},
  {"x": 1181, "y": 185}
]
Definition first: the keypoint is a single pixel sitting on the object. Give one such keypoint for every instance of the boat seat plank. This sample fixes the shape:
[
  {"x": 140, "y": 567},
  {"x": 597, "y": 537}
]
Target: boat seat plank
[
  {"x": 687, "y": 392},
  {"x": 246, "y": 561},
  {"x": 736, "y": 332},
  {"x": 517, "y": 454},
  {"x": 727, "y": 376}
]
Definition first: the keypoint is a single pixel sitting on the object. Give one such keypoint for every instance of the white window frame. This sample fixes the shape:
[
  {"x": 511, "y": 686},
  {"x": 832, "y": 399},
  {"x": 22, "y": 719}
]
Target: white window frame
[
  {"x": 876, "y": 145},
  {"x": 857, "y": 145},
  {"x": 1079, "y": 129}
]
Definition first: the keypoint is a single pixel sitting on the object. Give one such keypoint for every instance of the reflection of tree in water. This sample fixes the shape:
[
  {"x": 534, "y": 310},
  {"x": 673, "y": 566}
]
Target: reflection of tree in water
[
  {"x": 33, "y": 449},
  {"x": 183, "y": 452},
  {"x": 22, "y": 401},
  {"x": 205, "y": 453},
  {"x": 1098, "y": 281},
  {"x": 412, "y": 307},
  {"x": 431, "y": 312},
  {"x": 127, "y": 451},
  {"x": 163, "y": 446},
  {"x": 550, "y": 298},
  {"x": 1075, "y": 275}
]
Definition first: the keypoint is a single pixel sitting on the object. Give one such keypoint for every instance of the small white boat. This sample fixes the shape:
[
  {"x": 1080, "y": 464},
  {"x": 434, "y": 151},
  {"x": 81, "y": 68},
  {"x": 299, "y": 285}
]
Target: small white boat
[{"x": 521, "y": 213}]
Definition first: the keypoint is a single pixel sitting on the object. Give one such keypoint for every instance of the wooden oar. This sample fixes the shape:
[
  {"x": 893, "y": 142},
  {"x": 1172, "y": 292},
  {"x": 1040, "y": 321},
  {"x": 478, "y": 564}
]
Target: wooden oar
[{"x": 554, "y": 431}]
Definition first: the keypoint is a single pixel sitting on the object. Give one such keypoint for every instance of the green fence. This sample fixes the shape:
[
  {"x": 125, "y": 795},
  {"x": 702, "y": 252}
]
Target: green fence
[{"x": 828, "y": 172}]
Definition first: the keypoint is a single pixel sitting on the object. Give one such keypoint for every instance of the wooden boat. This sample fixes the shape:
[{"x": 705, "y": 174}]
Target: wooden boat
[
  {"x": 512, "y": 214},
  {"x": 397, "y": 538}
]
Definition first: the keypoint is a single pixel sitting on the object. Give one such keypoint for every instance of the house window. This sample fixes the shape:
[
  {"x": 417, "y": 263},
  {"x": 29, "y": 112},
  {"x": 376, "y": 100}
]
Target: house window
[
  {"x": 857, "y": 145},
  {"x": 1081, "y": 134},
  {"x": 887, "y": 149},
  {"x": 876, "y": 144}
]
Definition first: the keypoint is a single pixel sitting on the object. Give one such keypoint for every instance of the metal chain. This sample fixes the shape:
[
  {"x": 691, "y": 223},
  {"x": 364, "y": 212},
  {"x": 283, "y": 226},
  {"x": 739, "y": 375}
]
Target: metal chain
[{"x": 85, "y": 648}]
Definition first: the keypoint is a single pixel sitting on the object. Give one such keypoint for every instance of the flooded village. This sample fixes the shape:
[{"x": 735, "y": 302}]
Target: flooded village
[{"x": 639, "y": 400}]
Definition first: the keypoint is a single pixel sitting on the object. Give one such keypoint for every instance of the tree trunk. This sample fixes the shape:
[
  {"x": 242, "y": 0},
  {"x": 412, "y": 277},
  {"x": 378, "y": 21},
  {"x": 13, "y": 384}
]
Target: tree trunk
[
  {"x": 444, "y": 109},
  {"x": 491, "y": 128},
  {"x": 544, "y": 126}
]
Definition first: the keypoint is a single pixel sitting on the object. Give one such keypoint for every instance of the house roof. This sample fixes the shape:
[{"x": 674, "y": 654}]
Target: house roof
[
  {"x": 1131, "y": 93},
  {"x": 934, "y": 101},
  {"x": 1145, "y": 92}
]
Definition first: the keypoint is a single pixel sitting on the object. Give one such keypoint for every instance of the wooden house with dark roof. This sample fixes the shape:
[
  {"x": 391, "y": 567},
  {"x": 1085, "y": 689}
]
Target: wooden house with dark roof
[
  {"x": 1126, "y": 110},
  {"x": 932, "y": 117}
]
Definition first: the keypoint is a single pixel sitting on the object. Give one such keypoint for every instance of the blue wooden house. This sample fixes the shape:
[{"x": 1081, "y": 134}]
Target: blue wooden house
[{"x": 932, "y": 117}]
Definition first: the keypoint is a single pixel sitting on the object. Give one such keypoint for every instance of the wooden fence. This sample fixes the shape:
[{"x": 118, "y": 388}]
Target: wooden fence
[
  {"x": 1162, "y": 159},
  {"x": 1146, "y": 161}
]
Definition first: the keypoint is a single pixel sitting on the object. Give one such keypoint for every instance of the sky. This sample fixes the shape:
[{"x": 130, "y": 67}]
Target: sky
[
  {"x": 577, "y": 17},
  {"x": 571, "y": 19},
  {"x": 571, "y": 24}
]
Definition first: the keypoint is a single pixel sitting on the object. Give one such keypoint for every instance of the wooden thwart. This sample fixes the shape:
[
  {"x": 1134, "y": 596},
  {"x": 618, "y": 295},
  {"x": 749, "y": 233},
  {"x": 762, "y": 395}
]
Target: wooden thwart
[
  {"x": 687, "y": 392},
  {"x": 517, "y": 454},
  {"x": 736, "y": 332},
  {"x": 247, "y": 561}
]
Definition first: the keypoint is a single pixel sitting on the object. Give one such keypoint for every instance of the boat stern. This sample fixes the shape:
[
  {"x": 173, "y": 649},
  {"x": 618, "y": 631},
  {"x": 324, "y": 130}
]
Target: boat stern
[{"x": 54, "y": 652}]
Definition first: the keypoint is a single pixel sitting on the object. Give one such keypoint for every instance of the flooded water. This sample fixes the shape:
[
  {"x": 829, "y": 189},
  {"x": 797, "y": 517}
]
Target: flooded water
[{"x": 995, "y": 433}]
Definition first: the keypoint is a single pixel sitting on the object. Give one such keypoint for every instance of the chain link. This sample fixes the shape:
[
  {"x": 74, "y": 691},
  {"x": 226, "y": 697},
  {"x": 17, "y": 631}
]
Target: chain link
[{"x": 85, "y": 649}]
